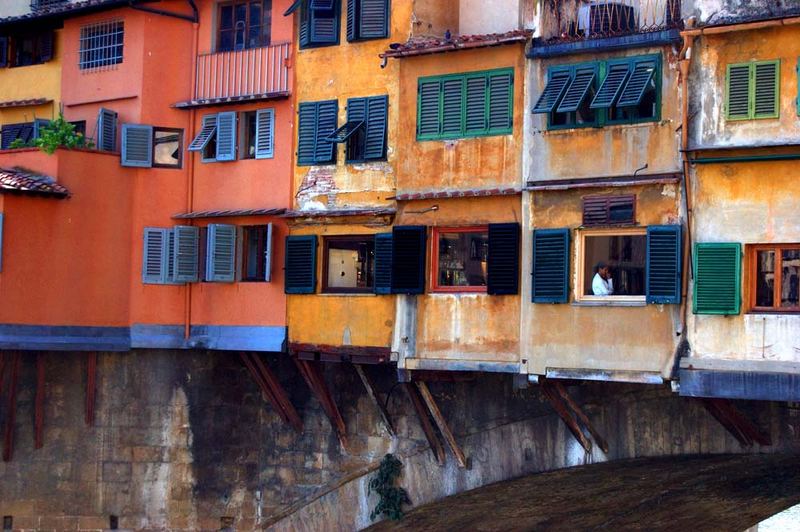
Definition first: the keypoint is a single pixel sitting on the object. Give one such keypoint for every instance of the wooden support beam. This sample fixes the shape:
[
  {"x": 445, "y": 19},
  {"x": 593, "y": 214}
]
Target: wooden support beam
[
  {"x": 2, "y": 369},
  {"x": 272, "y": 389},
  {"x": 732, "y": 419},
  {"x": 563, "y": 412},
  {"x": 312, "y": 374},
  {"x": 91, "y": 386},
  {"x": 369, "y": 385},
  {"x": 11, "y": 413},
  {"x": 427, "y": 427},
  {"x": 713, "y": 408},
  {"x": 444, "y": 428},
  {"x": 38, "y": 417},
  {"x": 582, "y": 417}
]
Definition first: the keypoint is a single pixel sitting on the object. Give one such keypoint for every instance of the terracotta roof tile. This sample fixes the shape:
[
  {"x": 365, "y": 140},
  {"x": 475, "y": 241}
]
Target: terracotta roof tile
[
  {"x": 68, "y": 8},
  {"x": 24, "y": 103},
  {"x": 20, "y": 180},
  {"x": 432, "y": 45},
  {"x": 352, "y": 211},
  {"x": 228, "y": 213},
  {"x": 462, "y": 193}
]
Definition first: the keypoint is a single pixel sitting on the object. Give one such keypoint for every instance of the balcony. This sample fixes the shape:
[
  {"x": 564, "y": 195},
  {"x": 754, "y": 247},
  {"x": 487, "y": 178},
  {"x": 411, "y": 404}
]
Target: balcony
[
  {"x": 40, "y": 5},
  {"x": 242, "y": 75}
]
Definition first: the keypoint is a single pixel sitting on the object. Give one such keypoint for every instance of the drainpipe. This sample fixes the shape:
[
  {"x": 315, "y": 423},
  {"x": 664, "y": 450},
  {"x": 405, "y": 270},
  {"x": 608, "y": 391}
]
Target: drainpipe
[{"x": 187, "y": 325}]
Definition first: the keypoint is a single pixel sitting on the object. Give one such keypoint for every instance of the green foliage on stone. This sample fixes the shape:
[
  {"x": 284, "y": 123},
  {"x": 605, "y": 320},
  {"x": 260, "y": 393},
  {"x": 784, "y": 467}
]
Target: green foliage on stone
[
  {"x": 392, "y": 498},
  {"x": 18, "y": 143},
  {"x": 60, "y": 134}
]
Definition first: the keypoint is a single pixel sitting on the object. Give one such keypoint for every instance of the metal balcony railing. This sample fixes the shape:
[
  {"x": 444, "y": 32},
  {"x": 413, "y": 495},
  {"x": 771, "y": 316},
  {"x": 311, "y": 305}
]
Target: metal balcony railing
[
  {"x": 37, "y": 5},
  {"x": 253, "y": 72},
  {"x": 594, "y": 19}
]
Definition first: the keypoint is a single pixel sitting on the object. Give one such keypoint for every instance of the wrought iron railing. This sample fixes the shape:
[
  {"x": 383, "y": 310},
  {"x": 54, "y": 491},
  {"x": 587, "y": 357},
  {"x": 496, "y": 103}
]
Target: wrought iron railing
[
  {"x": 593, "y": 19},
  {"x": 241, "y": 73},
  {"x": 37, "y": 5}
]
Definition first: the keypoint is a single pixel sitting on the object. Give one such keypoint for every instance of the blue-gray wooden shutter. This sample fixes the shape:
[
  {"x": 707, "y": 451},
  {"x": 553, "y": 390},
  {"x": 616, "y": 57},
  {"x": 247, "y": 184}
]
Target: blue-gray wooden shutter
[
  {"x": 185, "y": 253},
  {"x": 577, "y": 91},
  {"x": 137, "y": 145},
  {"x": 503, "y": 259},
  {"x": 352, "y": 22},
  {"x": 46, "y": 46},
  {"x": 373, "y": 19},
  {"x": 476, "y": 120},
  {"x": 663, "y": 273},
  {"x": 428, "y": 105},
  {"x": 324, "y": 22},
  {"x": 326, "y": 120},
  {"x": 169, "y": 257},
  {"x": 301, "y": 264},
  {"x": 8, "y": 134},
  {"x": 106, "y": 130},
  {"x": 221, "y": 253},
  {"x": 3, "y": 52},
  {"x": 375, "y": 138},
  {"x": 452, "y": 103},
  {"x": 1, "y": 241},
  {"x": 304, "y": 27},
  {"x": 268, "y": 254},
  {"x": 226, "y": 136},
  {"x": 408, "y": 259},
  {"x": 38, "y": 124},
  {"x": 500, "y": 96},
  {"x": 383, "y": 263},
  {"x": 207, "y": 132},
  {"x": 551, "y": 95},
  {"x": 306, "y": 133},
  {"x": 265, "y": 133},
  {"x": 154, "y": 256},
  {"x": 611, "y": 87},
  {"x": 550, "y": 266}
]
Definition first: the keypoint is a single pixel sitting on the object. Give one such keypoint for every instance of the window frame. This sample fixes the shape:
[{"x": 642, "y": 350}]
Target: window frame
[
  {"x": 435, "y": 287},
  {"x": 179, "y": 131},
  {"x": 36, "y": 36},
  {"x": 580, "y": 242},
  {"x": 246, "y": 3},
  {"x": 262, "y": 231},
  {"x": 326, "y": 241},
  {"x": 751, "y": 91},
  {"x": 752, "y": 272}
]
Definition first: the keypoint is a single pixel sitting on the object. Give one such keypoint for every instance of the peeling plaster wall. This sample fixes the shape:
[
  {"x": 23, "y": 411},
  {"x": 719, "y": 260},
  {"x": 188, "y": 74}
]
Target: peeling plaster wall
[
  {"x": 722, "y": 11},
  {"x": 474, "y": 18}
]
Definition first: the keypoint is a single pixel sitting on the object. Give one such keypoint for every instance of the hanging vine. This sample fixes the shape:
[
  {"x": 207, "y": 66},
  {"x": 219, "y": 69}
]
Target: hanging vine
[{"x": 392, "y": 498}]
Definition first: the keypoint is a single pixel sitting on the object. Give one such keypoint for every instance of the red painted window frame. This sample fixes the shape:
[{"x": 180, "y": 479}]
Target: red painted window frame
[
  {"x": 752, "y": 257},
  {"x": 434, "y": 269}
]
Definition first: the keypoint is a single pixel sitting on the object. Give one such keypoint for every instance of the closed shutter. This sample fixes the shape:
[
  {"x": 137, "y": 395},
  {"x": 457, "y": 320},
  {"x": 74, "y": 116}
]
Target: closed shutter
[
  {"x": 383, "y": 263},
  {"x": 137, "y": 145},
  {"x": 154, "y": 257},
  {"x": 609, "y": 210},
  {"x": 611, "y": 87},
  {"x": 324, "y": 23},
  {"x": 301, "y": 264},
  {"x": 226, "y": 136},
  {"x": 326, "y": 119},
  {"x": 106, "y": 130},
  {"x": 352, "y": 22},
  {"x": 221, "y": 253},
  {"x": 501, "y": 102},
  {"x": 375, "y": 143},
  {"x": 551, "y": 266},
  {"x": 428, "y": 106},
  {"x": 408, "y": 259},
  {"x": 635, "y": 88},
  {"x": 577, "y": 91},
  {"x": 268, "y": 254},
  {"x": 503, "y": 259},
  {"x": 738, "y": 92},
  {"x": 265, "y": 133},
  {"x": 663, "y": 277},
  {"x": 9, "y": 133},
  {"x": 46, "y": 46},
  {"x": 717, "y": 273},
  {"x": 306, "y": 133},
  {"x": 476, "y": 120},
  {"x": 186, "y": 253},
  {"x": 3, "y": 52},
  {"x": 766, "y": 89},
  {"x": 373, "y": 19},
  {"x": 206, "y": 133},
  {"x": 452, "y": 98},
  {"x": 553, "y": 91}
]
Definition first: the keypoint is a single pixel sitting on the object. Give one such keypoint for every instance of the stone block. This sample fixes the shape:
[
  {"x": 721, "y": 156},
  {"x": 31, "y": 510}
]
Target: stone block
[
  {"x": 149, "y": 453},
  {"x": 92, "y": 523},
  {"x": 116, "y": 471}
]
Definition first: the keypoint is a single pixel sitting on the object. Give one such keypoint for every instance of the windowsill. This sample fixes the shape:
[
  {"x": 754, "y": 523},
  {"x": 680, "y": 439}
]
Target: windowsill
[
  {"x": 610, "y": 303},
  {"x": 567, "y": 130},
  {"x": 759, "y": 312},
  {"x": 347, "y": 294},
  {"x": 459, "y": 292}
]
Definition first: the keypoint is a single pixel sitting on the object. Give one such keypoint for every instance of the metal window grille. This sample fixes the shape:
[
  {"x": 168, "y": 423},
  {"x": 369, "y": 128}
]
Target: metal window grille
[
  {"x": 45, "y": 4},
  {"x": 101, "y": 45}
]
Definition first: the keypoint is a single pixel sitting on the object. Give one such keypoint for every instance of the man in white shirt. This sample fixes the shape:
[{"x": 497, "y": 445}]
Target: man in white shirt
[{"x": 602, "y": 284}]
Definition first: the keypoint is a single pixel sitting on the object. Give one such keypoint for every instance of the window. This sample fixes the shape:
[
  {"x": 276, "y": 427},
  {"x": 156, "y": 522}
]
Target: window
[
  {"x": 247, "y": 149},
  {"x": 24, "y": 132},
  {"x": 151, "y": 147},
  {"x": 244, "y": 24},
  {"x": 257, "y": 134},
  {"x": 460, "y": 259},
  {"x": 465, "y": 105},
  {"x": 319, "y": 23},
  {"x": 217, "y": 139},
  {"x": 256, "y": 253},
  {"x": 613, "y": 264},
  {"x": 609, "y": 210},
  {"x": 101, "y": 45},
  {"x": 367, "y": 19},
  {"x": 31, "y": 48},
  {"x": 167, "y": 147},
  {"x": 619, "y": 91},
  {"x": 349, "y": 264},
  {"x": 365, "y": 130},
  {"x": 752, "y": 90},
  {"x": 316, "y": 123},
  {"x": 775, "y": 277}
]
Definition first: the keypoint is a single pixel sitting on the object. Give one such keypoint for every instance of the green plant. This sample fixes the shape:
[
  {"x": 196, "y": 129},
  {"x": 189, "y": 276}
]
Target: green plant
[
  {"x": 18, "y": 143},
  {"x": 392, "y": 498},
  {"x": 60, "y": 134}
]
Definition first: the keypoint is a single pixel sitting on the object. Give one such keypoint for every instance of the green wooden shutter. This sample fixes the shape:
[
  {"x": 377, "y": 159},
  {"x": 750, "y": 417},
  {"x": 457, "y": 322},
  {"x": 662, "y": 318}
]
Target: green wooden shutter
[
  {"x": 503, "y": 259},
  {"x": 206, "y": 133},
  {"x": 106, "y": 130},
  {"x": 611, "y": 87},
  {"x": 717, "y": 274},
  {"x": 186, "y": 252},
  {"x": 221, "y": 253},
  {"x": 373, "y": 19},
  {"x": 452, "y": 106},
  {"x": 638, "y": 81},
  {"x": 501, "y": 102},
  {"x": 226, "y": 136},
  {"x": 326, "y": 119},
  {"x": 306, "y": 133},
  {"x": 476, "y": 119},
  {"x": 551, "y": 95},
  {"x": 375, "y": 138},
  {"x": 766, "y": 89},
  {"x": 550, "y": 266},
  {"x": 383, "y": 263},
  {"x": 301, "y": 264},
  {"x": 265, "y": 133},
  {"x": 737, "y": 92},
  {"x": 137, "y": 145},
  {"x": 428, "y": 109},
  {"x": 154, "y": 256},
  {"x": 663, "y": 273},
  {"x": 408, "y": 259},
  {"x": 577, "y": 90}
]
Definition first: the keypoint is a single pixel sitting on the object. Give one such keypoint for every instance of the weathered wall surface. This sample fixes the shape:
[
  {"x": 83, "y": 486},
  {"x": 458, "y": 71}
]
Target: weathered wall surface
[{"x": 723, "y": 11}]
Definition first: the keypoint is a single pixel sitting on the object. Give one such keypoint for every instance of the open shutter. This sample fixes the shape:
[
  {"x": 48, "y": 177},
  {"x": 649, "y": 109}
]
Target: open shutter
[
  {"x": 169, "y": 257},
  {"x": 154, "y": 257},
  {"x": 553, "y": 91},
  {"x": 301, "y": 264},
  {"x": 428, "y": 106},
  {"x": 294, "y": 7},
  {"x": 634, "y": 89},
  {"x": 503, "y": 259},
  {"x": 476, "y": 120},
  {"x": 577, "y": 91},
  {"x": 221, "y": 253},
  {"x": 766, "y": 89},
  {"x": 383, "y": 263},
  {"x": 717, "y": 273},
  {"x": 326, "y": 119},
  {"x": 323, "y": 22},
  {"x": 268, "y": 254},
  {"x": 373, "y": 19},
  {"x": 46, "y": 51},
  {"x": 611, "y": 87},
  {"x": 304, "y": 29},
  {"x": 265, "y": 133},
  {"x": 185, "y": 253},
  {"x": 551, "y": 266},
  {"x": 408, "y": 259},
  {"x": 106, "y": 130},
  {"x": 3, "y": 52},
  {"x": 352, "y": 23},
  {"x": 663, "y": 277},
  {"x": 207, "y": 132},
  {"x": 452, "y": 99},
  {"x": 137, "y": 145},
  {"x": 226, "y": 136},
  {"x": 737, "y": 91},
  {"x": 306, "y": 133},
  {"x": 501, "y": 101},
  {"x": 375, "y": 143}
]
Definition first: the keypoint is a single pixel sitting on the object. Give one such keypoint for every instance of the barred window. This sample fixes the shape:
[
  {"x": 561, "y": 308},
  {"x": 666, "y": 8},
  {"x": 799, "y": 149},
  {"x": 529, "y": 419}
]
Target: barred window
[{"x": 101, "y": 45}]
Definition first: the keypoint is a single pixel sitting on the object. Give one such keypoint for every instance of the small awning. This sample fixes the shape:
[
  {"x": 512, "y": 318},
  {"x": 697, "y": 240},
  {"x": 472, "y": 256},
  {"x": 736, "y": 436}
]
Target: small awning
[
  {"x": 322, "y": 213},
  {"x": 553, "y": 91},
  {"x": 464, "y": 193},
  {"x": 345, "y": 132},
  {"x": 230, "y": 100},
  {"x": 21, "y": 181},
  {"x": 24, "y": 103},
  {"x": 599, "y": 182},
  {"x": 228, "y": 213}
]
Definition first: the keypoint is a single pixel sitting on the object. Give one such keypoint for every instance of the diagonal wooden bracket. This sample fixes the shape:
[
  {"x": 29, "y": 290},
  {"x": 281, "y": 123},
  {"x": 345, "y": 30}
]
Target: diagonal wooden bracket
[
  {"x": 427, "y": 427},
  {"x": 745, "y": 431},
  {"x": 444, "y": 428},
  {"x": 565, "y": 407},
  {"x": 311, "y": 372},
  {"x": 11, "y": 414},
  {"x": 91, "y": 387},
  {"x": 38, "y": 417},
  {"x": 271, "y": 387},
  {"x": 369, "y": 385}
]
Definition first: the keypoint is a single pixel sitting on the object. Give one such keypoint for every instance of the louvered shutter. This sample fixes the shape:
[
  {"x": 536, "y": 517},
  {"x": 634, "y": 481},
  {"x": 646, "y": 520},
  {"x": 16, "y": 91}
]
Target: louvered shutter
[
  {"x": 636, "y": 86},
  {"x": 501, "y": 102},
  {"x": 476, "y": 120},
  {"x": 373, "y": 19},
  {"x": 325, "y": 5},
  {"x": 383, "y": 263},
  {"x": 553, "y": 91},
  {"x": 169, "y": 257},
  {"x": 221, "y": 253},
  {"x": 306, "y": 133},
  {"x": 452, "y": 98},
  {"x": 577, "y": 91},
  {"x": 738, "y": 92},
  {"x": 226, "y": 136},
  {"x": 503, "y": 259},
  {"x": 608, "y": 210},
  {"x": 354, "y": 132},
  {"x": 301, "y": 264},
  {"x": 663, "y": 277},
  {"x": 137, "y": 145},
  {"x": 154, "y": 257},
  {"x": 766, "y": 82},
  {"x": 551, "y": 266},
  {"x": 323, "y": 26},
  {"x": 46, "y": 46},
  {"x": 428, "y": 106},
  {"x": 265, "y": 133},
  {"x": 3, "y": 52},
  {"x": 268, "y": 254},
  {"x": 26, "y": 132},
  {"x": 206, "y": 133},
  {"x": 326, "y": 119},
  {"x": 185, "y": 256},
  {"x": 408, "y": 259},
  {"x": 106, "y": 130},
  {"x": 8, "y": 134},
  {"x": 611, "y": 87},
  {"x": 304, "y": 29},
  {"x": 375, "y": 138},
  {"x": 352, "y": 23},
  {"x": 717, "y": 273}
]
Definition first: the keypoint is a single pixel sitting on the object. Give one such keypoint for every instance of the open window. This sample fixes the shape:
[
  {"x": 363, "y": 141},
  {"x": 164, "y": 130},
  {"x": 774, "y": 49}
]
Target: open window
[
  {"x": 348, "y": 264},
  {"x": 32, "y": 47},
  {"x": 774, "y": 277},
  {"x": 365, "y": 130},
  {"x": 216, "y": 140},
  {"x": 256, "y": 253},
  {"x": 613, "y": 264},
  {"x": 460, "y": 259},
  {"x": 145, "y": 146}
]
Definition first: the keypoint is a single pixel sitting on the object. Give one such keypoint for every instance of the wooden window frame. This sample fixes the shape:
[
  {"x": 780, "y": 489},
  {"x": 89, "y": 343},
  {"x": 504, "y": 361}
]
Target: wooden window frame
[
  {"x": 179, "y": 165},
  {"x": 261, "y": 250},
  {"x": 580, "y": 242},
  {"x": 326, "y": 241},
  {"x": 218, "y": 29},
  {"x": 752, "y": 269},
  {"x": 434, "y": 261}
]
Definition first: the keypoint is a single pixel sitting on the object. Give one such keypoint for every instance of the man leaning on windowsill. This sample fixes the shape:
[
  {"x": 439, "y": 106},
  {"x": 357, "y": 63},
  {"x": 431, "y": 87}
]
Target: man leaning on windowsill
[{"x": 602, "y": 283}]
